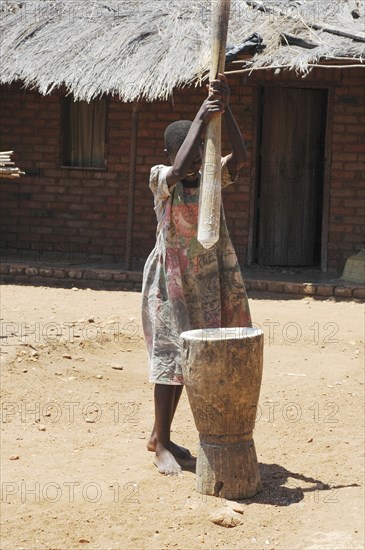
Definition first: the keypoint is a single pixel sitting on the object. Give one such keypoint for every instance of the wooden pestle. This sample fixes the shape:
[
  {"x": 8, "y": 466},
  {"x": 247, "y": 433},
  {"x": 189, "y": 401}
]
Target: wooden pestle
[{"x": 210, "y": 187}]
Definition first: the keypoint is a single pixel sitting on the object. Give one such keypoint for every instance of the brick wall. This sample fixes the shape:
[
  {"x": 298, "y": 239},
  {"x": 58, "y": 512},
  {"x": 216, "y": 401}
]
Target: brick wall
[
  {"x": 55, "y": 210},
  {"x": 58, "y": 209},
  {"x": 347, "y": 193}
]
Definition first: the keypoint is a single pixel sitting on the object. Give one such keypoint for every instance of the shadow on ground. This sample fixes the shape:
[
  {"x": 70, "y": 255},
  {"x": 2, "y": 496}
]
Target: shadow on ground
[{"x": 280, "y": 487}]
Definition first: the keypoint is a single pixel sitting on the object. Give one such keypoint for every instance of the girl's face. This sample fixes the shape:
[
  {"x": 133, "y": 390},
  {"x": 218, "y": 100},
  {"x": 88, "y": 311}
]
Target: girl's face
[{"x": 195, "y": 165}]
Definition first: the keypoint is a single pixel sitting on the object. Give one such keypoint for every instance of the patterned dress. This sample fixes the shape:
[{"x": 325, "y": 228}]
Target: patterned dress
[{"x": 186, "y": 286}]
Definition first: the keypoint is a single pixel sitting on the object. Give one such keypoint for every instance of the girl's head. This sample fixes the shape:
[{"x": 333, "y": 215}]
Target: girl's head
[{"x": 175, "y": 135}]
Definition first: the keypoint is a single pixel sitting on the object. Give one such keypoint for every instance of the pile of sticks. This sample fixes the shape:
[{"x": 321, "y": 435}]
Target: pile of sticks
[{"x": 7, "y": 168}]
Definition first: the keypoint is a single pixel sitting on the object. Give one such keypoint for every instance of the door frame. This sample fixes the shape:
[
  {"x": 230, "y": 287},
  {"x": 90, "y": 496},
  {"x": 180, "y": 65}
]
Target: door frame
[{"x": 258, "y": 85}]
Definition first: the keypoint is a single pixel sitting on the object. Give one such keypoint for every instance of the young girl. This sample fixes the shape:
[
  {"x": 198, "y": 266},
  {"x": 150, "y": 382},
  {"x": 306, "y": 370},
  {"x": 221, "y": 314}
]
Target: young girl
[{"x": 185, "y": 286}]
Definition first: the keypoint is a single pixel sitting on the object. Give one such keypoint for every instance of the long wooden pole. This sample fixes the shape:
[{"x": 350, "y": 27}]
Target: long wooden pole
[{"x": 210, "y": 189}]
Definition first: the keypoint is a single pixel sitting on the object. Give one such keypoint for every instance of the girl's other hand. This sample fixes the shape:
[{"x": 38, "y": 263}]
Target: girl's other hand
[{"x": 219, "y": 88}]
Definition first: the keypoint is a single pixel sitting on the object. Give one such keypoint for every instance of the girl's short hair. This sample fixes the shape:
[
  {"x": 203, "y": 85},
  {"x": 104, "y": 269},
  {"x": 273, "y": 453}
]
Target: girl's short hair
[{"x": 175, "y": 135}]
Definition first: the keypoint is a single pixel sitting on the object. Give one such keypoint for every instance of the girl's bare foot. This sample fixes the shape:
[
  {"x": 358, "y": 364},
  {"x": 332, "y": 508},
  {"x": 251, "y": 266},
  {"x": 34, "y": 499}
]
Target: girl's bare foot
[
  {"x": 176, "y": 450},
  {"x": 166, "y": 462}
]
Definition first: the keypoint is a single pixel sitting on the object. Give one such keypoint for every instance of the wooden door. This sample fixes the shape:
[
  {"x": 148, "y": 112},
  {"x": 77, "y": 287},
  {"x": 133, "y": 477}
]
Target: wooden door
[{"x": 290, "y": 186}]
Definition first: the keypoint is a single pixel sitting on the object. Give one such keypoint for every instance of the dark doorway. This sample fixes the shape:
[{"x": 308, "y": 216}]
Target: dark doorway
[{"x": 290, "y": 176}]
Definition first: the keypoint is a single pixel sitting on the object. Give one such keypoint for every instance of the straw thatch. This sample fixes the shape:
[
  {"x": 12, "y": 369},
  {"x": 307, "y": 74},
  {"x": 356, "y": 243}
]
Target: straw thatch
[{"x": 146, "y": 48}]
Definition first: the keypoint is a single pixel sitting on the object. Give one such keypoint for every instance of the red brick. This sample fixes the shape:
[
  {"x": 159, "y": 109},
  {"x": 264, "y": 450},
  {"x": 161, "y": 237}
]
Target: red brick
[
  {"x": 345, "y": 119},
  {"x": 354, "y": 220},
  {"x": 346, "y": 156},
  {"x": 258, "y": 285},
  {"x": 343, "y": 174},
  {"x": 359, "y": 293},
  {"x": 291, "y": 288},
  {"x": 343, "y": 292},
  {"x": 134, "y": 276},
  {"x": 324, "y": 290},
  {"x": 45, "y": 272},
  {"x": 75, "y": 273},
  {"x": 119, "y": 277},
  {"x": 337, "y": 210},
  {"x": 17, "y": 270},
  {"x": 105, "y": 275},
  {"x": 60, "y": 273},
  {"x": 354, "y": 237},
  {"x": 354, "y": 165},
  {"x": 352, "y": 203},
  {"x": 355, "y": 147},
  {"x": 275, "y": 286},
  {"x": 90, "y": 274},
  {"x": 345, "y": 138}
]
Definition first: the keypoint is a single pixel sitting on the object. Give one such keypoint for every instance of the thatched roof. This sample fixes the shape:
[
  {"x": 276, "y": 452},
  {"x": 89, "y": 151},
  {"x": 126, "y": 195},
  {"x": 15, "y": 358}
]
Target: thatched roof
[{"x": 146, "y": 48}]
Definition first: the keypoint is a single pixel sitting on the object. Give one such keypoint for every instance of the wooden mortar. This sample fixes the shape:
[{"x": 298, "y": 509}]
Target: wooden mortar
[{"x": 222, "y": 371}]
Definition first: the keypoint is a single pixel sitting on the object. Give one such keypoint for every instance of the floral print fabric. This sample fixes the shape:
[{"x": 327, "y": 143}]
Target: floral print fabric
[{"x": 185, "y": 286}]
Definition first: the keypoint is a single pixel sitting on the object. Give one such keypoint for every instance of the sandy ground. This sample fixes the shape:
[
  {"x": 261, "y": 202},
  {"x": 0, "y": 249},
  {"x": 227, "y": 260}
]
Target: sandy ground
[{"x": 77, "y": 410}]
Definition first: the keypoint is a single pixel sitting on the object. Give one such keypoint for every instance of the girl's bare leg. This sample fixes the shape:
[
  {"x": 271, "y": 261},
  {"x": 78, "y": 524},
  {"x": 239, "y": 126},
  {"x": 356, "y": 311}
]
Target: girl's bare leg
[
  {"x": 176, "y": 450},
  {"x": 164, "y": 410}
]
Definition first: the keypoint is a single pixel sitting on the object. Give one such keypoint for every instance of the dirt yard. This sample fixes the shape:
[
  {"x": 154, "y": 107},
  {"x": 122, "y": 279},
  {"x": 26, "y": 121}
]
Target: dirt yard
[{"x": 77, "y": 409}]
